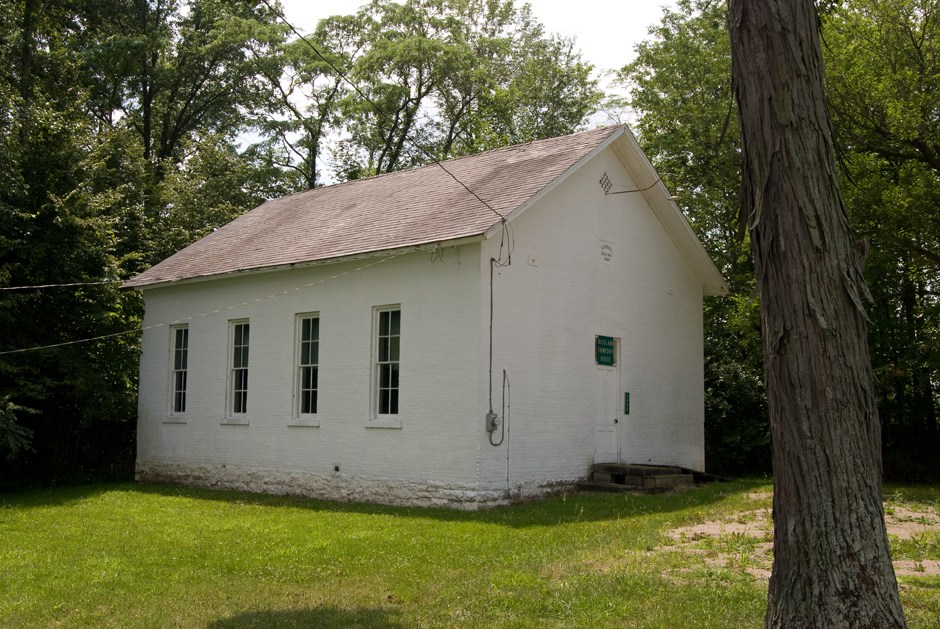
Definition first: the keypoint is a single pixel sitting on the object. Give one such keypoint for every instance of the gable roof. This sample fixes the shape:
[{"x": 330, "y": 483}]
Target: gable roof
[{"x": 397, "y": 210}]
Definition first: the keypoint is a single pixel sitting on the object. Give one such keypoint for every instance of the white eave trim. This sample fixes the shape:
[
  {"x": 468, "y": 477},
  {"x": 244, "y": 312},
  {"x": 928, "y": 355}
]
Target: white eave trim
[
  {"x": 390, "y": 253},
  {"x": 670, "y": 216}
]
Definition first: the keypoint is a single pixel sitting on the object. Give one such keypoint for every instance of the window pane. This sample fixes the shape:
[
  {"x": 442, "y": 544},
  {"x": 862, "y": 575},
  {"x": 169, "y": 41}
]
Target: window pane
[
  {"x": 239, "y": 368},
  {"x": 308, "y": 402},
  {"x": 179, "y": 392},
  {"x": 180, "y": 353},
  {"x": 309, "y": 356},
  {"x": 241, "y": 357},
  {"x": 387, "y": 351},
  {"x": 384, "y": 401}
]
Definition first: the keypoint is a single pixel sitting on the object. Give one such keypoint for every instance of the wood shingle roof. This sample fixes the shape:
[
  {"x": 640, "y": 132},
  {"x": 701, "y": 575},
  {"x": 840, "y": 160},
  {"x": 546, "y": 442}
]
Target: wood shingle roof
[{"x": 392, "y": 211}]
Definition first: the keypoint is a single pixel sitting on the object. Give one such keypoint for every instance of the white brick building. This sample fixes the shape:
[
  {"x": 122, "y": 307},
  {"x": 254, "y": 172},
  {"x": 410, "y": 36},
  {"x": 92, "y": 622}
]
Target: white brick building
[{"x": 350, "y": 342}]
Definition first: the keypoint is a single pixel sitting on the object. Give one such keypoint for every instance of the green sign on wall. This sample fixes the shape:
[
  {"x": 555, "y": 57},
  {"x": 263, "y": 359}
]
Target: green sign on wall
[{"x": 605, "y": 351}]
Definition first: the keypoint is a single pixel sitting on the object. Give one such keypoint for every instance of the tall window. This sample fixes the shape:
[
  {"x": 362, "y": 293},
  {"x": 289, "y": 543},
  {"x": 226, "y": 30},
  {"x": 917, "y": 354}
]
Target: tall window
[
  {"x": 387, "y": 360},
  {"x": 239, "y": 375},
  {"x": 180, "y": 339},
  {"x": 308, "y": 363}
]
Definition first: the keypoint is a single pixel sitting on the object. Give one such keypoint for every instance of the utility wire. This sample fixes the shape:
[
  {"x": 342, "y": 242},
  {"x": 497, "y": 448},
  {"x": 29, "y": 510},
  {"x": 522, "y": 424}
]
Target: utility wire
[
  {"x": 76, "y": 342},
  {"x": 378, "y": 111},
  {"x": 211, "y": 312},
  {"x": 658, "y": 179},
  {"x": 60, "y": 285}
]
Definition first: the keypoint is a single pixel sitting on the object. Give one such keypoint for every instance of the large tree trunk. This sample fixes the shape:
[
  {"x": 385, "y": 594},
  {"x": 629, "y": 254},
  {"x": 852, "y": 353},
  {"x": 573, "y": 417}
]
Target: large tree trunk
[{"x": 831, "y": 562}]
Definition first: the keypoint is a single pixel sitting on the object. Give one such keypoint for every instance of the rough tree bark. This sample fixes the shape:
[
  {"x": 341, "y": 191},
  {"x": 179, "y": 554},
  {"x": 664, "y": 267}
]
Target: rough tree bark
[{"x": 831, "y": 562}]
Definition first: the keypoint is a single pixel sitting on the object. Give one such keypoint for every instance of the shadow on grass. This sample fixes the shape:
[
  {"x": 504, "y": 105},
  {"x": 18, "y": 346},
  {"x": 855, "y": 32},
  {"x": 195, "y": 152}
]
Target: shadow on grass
[
  {"x": 562, "y": 509},
  {"x": 59, "y": 496},
  {"x": 319, "y": 617}
]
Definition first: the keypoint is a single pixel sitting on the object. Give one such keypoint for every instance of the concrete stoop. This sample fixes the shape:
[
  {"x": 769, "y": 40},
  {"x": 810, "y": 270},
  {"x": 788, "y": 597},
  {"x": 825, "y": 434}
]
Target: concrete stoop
[{"x": 634, "y": 477}]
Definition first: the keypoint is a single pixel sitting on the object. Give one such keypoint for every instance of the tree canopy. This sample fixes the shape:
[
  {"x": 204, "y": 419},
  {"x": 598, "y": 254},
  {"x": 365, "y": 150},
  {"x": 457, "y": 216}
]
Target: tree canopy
[
  {"x": 130, "y": 129},
  {"x": 879, "y": 56}
]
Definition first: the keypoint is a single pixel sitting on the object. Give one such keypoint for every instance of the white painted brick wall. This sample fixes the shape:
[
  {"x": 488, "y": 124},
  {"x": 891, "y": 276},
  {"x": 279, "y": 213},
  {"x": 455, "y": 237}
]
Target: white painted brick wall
[
  {"x": 549, "y": 305},
  {"x": 552, "y": 301},
  {"x": 439, "y": 402}
]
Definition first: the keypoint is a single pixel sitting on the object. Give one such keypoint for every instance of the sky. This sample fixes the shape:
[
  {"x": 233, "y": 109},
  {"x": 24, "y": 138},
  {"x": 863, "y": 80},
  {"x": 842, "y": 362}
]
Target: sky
[{"x": 606, "y": 31}]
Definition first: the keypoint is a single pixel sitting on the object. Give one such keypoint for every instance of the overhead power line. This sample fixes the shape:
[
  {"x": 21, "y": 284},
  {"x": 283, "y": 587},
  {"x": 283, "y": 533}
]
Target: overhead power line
[
  {"x": 37, "y": 286},
  {"x": 378, "y": 111},
  {"x": 208, "y": 313}
]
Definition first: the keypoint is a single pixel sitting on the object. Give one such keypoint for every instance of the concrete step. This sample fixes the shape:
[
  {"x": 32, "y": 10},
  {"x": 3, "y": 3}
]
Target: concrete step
[
  {"x": 587, "y": 485},
  {"x": 626, "y": 476},
  {"x": 636, "y": 469}
]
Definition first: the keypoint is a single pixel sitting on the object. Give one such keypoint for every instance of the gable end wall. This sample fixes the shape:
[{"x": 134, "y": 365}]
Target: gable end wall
[{"x": 557, "y": 295}]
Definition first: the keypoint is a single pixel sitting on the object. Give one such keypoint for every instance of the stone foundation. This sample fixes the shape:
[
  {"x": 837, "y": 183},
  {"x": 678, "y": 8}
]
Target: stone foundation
[{"x": 343, "y": 488}]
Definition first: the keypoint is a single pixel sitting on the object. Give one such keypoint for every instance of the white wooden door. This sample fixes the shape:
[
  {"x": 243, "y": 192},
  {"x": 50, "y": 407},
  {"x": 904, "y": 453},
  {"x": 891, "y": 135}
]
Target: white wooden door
[{"x": 607, "y": 410}]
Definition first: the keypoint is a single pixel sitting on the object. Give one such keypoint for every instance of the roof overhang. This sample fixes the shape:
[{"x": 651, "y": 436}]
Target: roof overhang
[
  {"x": 649, "y": 184},
  {"x": 376, "y": 257}
]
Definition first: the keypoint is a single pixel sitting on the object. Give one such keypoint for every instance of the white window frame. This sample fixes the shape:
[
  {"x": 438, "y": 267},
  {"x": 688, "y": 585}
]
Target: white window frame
[
  {"x": 178, "y": 369},
  {"x": 380, "y": 359},
  {"x": 234, "y": 368},
  {"x": 299, "y": 417}
]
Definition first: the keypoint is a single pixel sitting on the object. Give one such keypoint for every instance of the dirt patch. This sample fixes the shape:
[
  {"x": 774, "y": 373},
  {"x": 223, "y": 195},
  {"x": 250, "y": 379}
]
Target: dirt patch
[
  {"x": 907, "y": 523},
  {"x": 744, "y": 542},
  {"x": 925, "y": 568},
  {"x": 750, "y": 523}
]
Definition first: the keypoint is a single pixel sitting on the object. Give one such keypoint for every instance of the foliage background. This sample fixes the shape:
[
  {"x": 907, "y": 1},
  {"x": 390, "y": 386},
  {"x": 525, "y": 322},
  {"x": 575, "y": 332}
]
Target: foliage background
[{"x": 131, "y": 128}]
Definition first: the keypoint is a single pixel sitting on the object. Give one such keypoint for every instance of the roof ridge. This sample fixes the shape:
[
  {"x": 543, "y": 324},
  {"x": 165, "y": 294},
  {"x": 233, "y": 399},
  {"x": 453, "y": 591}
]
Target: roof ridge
[
  {"x": 415, "y": 206},
  {"x": 444, "y": 162}
]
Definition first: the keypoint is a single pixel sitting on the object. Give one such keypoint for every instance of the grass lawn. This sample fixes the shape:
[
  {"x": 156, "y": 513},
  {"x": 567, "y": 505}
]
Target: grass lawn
[{"x": 167, "y": 556}]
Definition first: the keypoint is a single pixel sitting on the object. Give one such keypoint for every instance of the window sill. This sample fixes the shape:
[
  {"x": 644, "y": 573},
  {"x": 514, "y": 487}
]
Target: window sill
[
  {"x": 384, "y": 422},
  {"x": 304, "y": 422},
  {"x": 235, "y": 421},
  {"x": 174, "y": 420}
]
